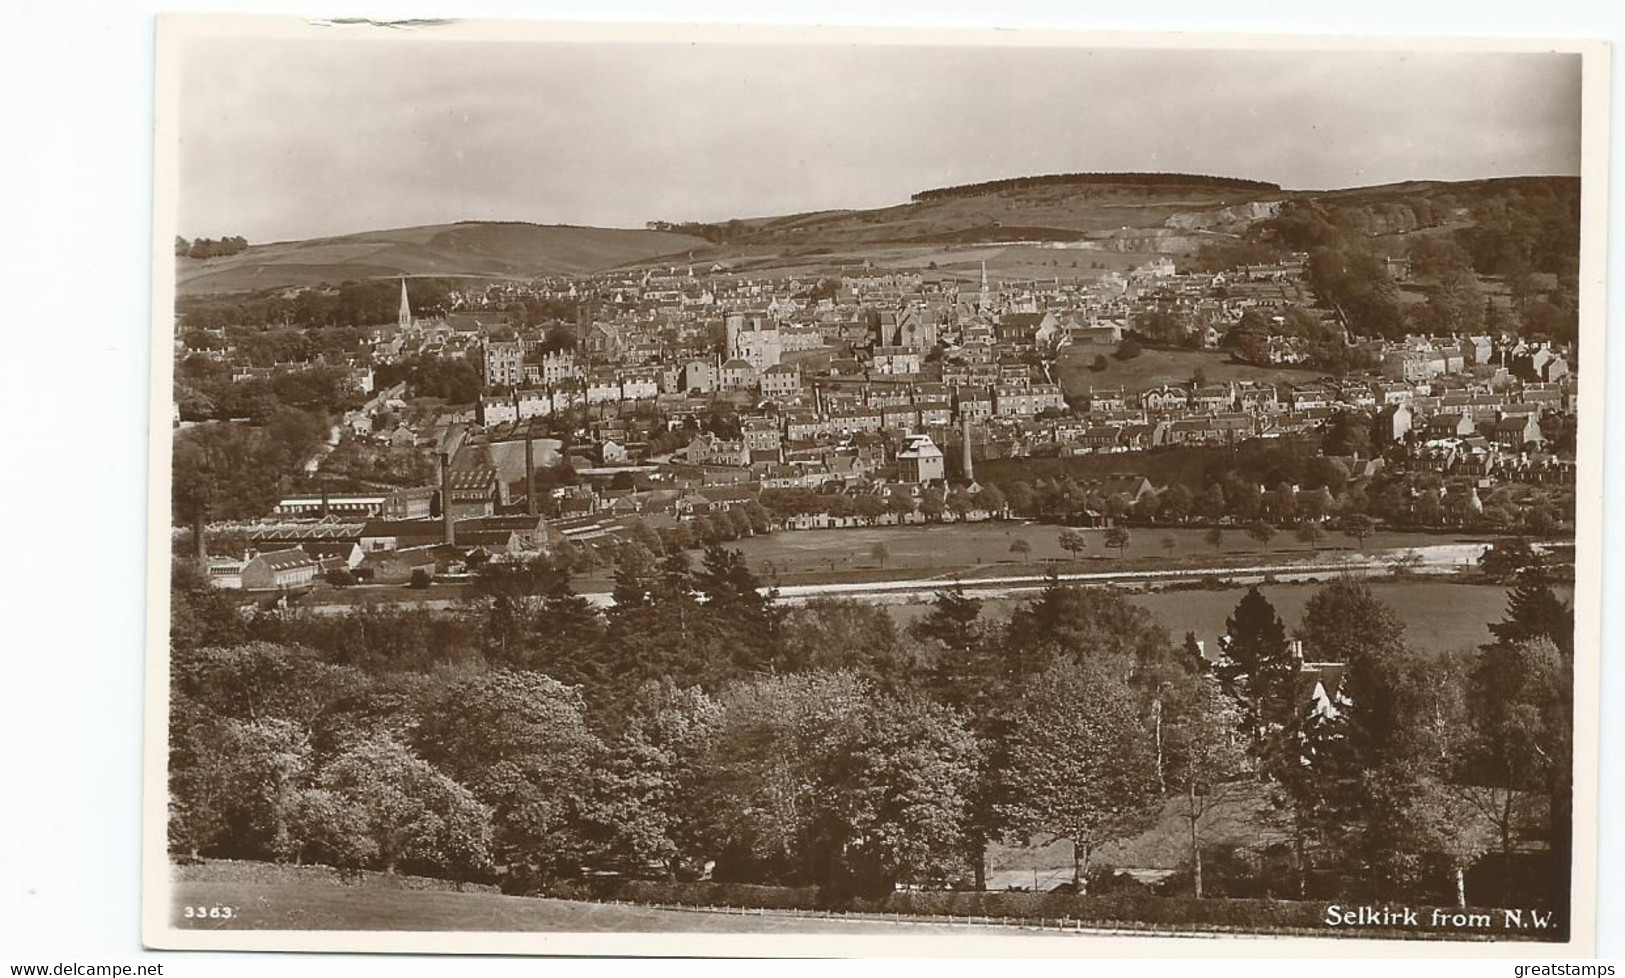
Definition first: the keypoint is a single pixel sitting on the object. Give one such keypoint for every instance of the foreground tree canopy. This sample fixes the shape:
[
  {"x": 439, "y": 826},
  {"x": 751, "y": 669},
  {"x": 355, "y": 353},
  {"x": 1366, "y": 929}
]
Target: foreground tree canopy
[{"x": 699, "y": 730}]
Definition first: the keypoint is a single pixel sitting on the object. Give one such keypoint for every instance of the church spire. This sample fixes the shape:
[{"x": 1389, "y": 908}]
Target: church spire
[{"x": 406, "y": 307}]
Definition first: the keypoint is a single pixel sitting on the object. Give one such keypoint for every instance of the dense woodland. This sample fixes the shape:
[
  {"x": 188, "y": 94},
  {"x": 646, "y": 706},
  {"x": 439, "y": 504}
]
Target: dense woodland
[
  {"x": 1515, "y": 236},
  {"x": 375, "y": 302},
  {"x": 1094, "y": 179},
  {"x": 209, "y": 247},
  {"x": 1254, "y": 481},
  {"x": 205, "y": 390},
  {"x": 527, "y": 738},
  {"x": 1524, "y": 233}
]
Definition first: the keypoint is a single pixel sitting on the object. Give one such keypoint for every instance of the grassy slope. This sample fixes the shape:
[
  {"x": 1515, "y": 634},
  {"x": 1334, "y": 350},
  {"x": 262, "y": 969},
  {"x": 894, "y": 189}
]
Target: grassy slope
[
  {"x": 1439, "y": 616},
  {"x": 498, "y": 250},
  {"x": 951, "y": 549},
  {"x": 1099, "y": 208},
  {"x": 910, "y": 235},
  {"x": 325, "y": 904}
]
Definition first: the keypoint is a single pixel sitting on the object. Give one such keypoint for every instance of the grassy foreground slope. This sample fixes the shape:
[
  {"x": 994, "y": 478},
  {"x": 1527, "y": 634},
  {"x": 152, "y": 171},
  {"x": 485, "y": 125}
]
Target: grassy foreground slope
[
  {"x": 268, "y": 897},
  {"x": 334, "y": 906}
]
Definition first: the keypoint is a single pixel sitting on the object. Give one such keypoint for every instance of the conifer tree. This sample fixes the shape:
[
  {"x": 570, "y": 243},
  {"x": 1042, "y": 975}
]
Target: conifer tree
[
  {"x": 634, "y": 577},
  {"x": 964, "y": 674},
  {"x": 1534, "y": 611},
  {"x": 1368, "y": 778},
  {"x": 1256, "y": 666}
]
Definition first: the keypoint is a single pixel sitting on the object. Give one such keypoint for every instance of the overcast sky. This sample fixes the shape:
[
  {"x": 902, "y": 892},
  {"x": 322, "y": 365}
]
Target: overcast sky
[{"x": 294, "y": 139}]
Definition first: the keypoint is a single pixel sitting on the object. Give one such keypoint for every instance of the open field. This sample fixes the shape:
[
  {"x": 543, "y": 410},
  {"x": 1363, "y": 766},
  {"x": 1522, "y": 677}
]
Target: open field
[
  {"x": 950, "y": 550},
  {"x": 971, "y": 552},
  {"x": 1153, "y": 367},
  {"x": 1438, "y": 615}
]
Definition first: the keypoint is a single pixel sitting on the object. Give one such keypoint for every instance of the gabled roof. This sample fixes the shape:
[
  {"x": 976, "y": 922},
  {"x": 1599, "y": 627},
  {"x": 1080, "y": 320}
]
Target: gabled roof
[{"x": 279, "y": 560}]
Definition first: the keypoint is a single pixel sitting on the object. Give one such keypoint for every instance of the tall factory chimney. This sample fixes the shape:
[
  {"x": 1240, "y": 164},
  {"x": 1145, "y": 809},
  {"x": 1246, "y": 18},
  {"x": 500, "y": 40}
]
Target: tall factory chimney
[
  {"x": 200, "y": 537},
  {"x": 970, "y": 474},
  {"x": 530, "y": 475},
  {"x": 446, "y": 520}
]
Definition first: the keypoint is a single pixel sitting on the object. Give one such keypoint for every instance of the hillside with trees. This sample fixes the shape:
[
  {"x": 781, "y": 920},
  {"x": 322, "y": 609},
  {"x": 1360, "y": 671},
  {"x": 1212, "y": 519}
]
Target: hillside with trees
[
  {"x": 1504, "y": 225},
  {"x": 1522, "y": 233},
  {"x": 209, "y": 248},
  {"x": 1148, "y": 180}
]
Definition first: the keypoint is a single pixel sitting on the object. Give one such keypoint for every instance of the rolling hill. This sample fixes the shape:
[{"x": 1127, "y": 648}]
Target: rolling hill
[
  {"x": 1058, "y": 212},
  {"x": 1029, "y": 226},
  {"x": 480, "y": 249}
]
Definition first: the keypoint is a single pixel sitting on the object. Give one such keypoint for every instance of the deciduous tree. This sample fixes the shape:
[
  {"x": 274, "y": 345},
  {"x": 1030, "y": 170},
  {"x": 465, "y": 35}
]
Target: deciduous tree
[
  {"x": 389, "y": 804},
  {"x": 1077, "y": 766},
  {"x": 1206, "y": 759},
  {"x": 520, "y": 742}
]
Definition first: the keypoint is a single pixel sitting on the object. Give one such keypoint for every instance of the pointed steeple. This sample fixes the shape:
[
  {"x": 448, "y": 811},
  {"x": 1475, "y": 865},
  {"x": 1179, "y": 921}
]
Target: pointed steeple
[{"x": 406, "y": 307}]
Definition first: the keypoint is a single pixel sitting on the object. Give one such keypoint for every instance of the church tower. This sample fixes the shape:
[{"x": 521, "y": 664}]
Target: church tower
[
  {"x": 405, "y": 319},
  {"x": 985, "y": 300}
]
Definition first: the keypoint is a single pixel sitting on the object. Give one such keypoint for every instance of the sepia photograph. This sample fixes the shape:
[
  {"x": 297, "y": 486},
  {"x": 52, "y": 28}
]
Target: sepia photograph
[{"x": 690, "y": 490}]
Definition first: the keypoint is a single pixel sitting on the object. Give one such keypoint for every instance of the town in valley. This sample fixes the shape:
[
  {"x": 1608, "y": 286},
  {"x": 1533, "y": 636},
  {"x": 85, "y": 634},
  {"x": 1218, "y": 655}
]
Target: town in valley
[{"x": 987, "y": 556}]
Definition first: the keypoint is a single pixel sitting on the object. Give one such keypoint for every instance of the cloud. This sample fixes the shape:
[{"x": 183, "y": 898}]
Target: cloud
[{"x": 288, "y": 139}]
